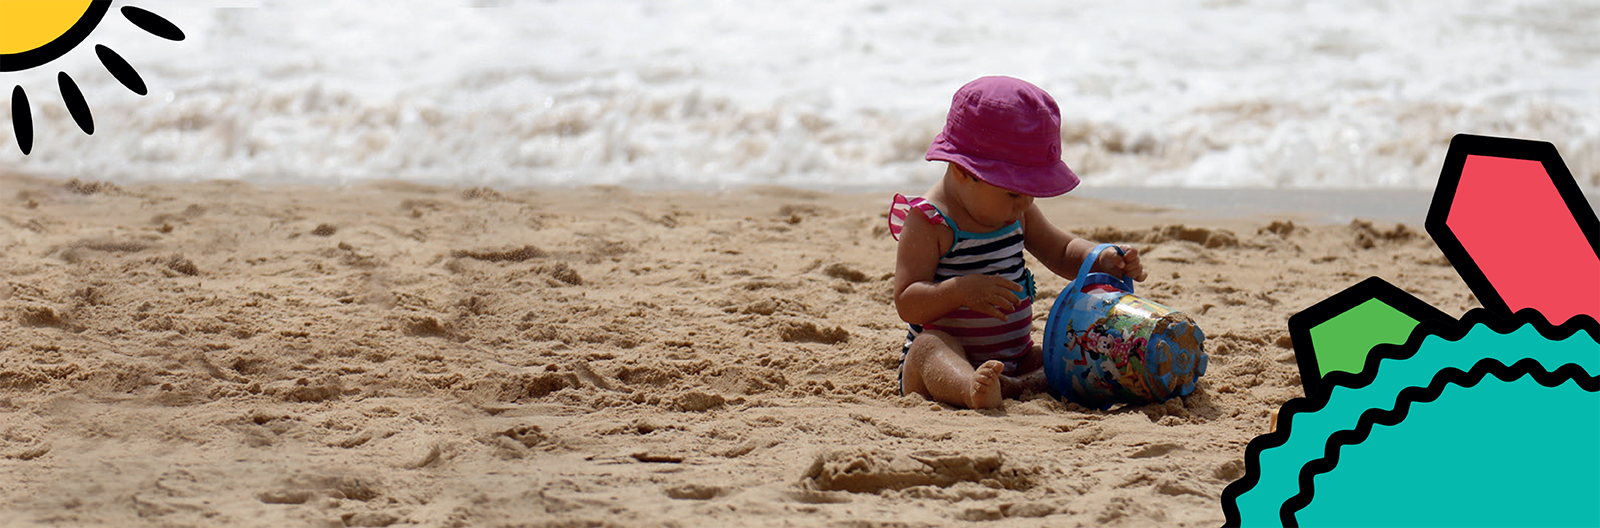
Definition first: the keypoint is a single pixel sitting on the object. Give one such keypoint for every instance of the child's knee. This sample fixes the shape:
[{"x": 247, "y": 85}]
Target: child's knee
[{"x": 931, "y": 342}]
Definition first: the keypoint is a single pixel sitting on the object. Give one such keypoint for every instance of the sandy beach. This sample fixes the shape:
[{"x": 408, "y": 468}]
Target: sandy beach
[{"x": 395, "y": 354}]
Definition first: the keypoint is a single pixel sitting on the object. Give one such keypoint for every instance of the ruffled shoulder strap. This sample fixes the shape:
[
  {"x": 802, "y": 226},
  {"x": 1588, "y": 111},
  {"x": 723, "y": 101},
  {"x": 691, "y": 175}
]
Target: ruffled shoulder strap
[{"x": 902, "y": 206}]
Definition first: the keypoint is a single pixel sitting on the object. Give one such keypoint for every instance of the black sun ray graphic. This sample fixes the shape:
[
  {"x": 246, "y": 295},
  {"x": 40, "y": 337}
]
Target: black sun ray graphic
[{"x": 35, "y": 32}]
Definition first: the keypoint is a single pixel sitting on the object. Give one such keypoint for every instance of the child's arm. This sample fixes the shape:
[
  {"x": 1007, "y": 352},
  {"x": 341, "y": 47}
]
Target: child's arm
[
  {"x": 1062, "y": 253},
  {"x": 920, "y": 300}
]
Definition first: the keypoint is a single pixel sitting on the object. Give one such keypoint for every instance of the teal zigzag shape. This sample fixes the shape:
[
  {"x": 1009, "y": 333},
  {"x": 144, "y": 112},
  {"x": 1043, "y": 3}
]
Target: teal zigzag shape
[{"x": 1399, "y": 445}]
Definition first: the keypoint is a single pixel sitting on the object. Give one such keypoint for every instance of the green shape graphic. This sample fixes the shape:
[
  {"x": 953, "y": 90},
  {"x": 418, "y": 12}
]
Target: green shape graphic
[
  {"x": 1337, "y": 334},
  {"x": 1495, "y": 448},
  {"x": 1342, "y": 343}
]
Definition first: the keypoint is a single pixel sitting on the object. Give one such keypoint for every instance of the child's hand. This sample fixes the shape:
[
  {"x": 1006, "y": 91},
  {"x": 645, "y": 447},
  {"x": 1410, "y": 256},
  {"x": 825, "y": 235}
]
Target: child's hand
[
  {"x": 987, "y": 294},
  {"x": 1126, "y": 265}
]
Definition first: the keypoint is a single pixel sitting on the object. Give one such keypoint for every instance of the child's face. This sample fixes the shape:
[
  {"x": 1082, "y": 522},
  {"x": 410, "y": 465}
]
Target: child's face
[{"x": 992, "y": 206}]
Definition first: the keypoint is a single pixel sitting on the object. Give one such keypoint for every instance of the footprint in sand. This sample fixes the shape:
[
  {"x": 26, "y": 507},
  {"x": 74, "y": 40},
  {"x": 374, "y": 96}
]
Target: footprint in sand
[
  {"x": 809, "y": 332},
  {"x": 38, "y": 315},
  {"x": 513, "y": 254},
  {"x": 840, "y": 270},
  {"x": 86, "y": 249},
  {"x": 302, "y": 488},
  {"x": 695, "y": 491},
  {"x": 1155, "y": 450},
  {"x": 872, "y": 470}
]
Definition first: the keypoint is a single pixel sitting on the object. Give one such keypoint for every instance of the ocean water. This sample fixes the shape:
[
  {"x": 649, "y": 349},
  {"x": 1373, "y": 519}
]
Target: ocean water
[{"x": 834, "y": 94}]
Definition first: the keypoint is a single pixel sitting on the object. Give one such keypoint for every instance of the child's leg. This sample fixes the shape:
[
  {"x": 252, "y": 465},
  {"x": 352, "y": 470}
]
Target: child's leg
[
  {"x": 937, "y": 367},
  {"x": 1030, "y": 375}
]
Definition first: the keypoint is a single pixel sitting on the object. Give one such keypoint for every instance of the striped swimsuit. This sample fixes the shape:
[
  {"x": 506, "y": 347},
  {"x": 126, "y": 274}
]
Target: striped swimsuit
[{"x": 997, "y": 252}]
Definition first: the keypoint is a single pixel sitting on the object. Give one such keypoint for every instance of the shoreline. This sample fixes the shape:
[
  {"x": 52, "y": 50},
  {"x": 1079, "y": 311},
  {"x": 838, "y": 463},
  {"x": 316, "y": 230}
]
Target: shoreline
[{"x": 1314, "y": 206}]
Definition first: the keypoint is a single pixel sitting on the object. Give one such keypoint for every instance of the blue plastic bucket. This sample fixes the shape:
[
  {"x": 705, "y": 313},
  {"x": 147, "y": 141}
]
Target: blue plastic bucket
[{"x": 1104, "y": 345}]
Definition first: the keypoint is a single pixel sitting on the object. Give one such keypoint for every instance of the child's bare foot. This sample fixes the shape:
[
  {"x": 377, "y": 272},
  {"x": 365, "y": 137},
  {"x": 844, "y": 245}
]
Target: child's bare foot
[{"x": 986, "y": 386}]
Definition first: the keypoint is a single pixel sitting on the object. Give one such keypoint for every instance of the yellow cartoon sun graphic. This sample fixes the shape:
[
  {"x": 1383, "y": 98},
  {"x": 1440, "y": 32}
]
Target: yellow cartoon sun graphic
[{"x": 35, "y": 32}]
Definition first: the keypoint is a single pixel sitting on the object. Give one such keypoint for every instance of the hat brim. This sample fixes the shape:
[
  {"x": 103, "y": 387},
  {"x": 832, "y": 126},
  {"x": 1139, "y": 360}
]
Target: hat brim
[{"x": 1043, "y": 181}]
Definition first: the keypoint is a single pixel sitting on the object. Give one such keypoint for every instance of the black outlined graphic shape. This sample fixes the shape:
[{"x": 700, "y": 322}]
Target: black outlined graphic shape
[
  {"x": 66, "y": 41},
  {"x": 1374, "y": 296}
]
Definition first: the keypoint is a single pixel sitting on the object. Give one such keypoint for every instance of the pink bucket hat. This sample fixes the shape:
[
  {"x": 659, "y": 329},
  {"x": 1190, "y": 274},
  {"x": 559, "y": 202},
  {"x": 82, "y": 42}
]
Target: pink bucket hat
[{"x": 1007, "y": 132}]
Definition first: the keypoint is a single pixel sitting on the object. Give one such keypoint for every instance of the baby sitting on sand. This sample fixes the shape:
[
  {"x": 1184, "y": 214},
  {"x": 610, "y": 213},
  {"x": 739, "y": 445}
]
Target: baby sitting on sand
[{"x": 960, "y": 281}]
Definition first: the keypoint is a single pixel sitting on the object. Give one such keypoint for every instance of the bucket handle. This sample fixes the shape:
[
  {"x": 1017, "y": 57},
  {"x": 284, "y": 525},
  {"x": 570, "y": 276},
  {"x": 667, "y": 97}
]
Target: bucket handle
[{"x": 1088, "y": 262}]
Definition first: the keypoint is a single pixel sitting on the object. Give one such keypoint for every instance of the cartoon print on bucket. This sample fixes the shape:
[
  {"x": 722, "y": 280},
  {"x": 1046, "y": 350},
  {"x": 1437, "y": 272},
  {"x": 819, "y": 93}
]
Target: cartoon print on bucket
[{"x": 1104, "y": 345}]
